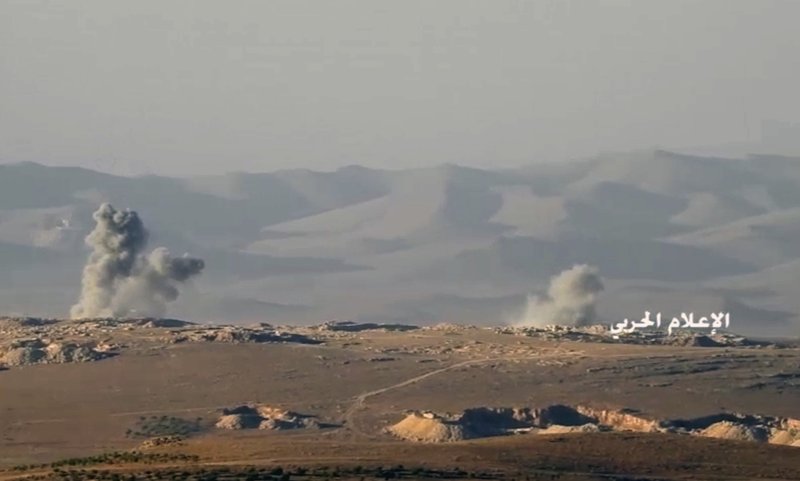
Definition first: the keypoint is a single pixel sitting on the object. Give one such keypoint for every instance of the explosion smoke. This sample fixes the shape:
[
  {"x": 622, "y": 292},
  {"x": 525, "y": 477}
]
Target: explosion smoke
[
  {"x": 570, "y": 300},
  {"x": 118, "y": 280}
]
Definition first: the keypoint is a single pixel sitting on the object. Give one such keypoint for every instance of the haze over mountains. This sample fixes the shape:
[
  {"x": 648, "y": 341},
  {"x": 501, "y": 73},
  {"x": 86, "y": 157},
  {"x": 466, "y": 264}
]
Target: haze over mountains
[{"x": 669, "y": 232}]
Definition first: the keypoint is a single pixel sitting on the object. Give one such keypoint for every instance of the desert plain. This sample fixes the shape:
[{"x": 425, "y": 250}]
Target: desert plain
[{"x": 168, "y": 399}]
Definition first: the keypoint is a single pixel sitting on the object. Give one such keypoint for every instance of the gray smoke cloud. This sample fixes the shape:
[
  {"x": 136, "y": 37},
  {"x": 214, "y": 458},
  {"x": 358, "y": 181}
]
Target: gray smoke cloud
[
  {"x": 570, "y": 300},
  {"x": 119, "y": 279}
]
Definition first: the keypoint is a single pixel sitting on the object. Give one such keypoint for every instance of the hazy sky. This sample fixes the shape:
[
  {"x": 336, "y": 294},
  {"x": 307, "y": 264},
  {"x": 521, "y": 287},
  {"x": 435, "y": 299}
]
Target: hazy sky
[{"x": 196, "y": 86}]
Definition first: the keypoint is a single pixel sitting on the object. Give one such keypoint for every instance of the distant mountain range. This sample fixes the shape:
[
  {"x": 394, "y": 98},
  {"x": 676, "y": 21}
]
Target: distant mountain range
[{"x": 669, "y": 233}]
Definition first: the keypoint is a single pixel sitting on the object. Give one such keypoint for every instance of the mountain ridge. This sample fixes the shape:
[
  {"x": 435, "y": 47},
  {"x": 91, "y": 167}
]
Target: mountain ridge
[{"x": 441, "y": 237}]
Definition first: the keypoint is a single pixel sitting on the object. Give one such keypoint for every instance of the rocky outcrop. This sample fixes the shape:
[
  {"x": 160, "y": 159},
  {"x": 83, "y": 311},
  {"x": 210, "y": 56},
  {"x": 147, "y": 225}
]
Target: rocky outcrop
[
  {"x": 736, "y": 431},
  {"x": 238, "y": 418},
  {"x": 429, "y": 427},
  {"x": 602, "y": 334},
  {"x": 264, "y": 417},
  {"x": 559, "y": 429},
  {"x": 621, "y": 419},
  {"x": 28, "y": 340},
  {"x": 37, "y": 351},
  {"x": 485, "y": 422},
  {"x": 238, "y": 335}
]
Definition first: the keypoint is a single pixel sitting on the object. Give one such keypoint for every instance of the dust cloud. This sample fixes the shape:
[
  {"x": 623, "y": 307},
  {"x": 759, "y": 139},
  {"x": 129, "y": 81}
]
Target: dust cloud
[
  {"x": 120, "y": 279},
  {"x": 570, "y": 299}
]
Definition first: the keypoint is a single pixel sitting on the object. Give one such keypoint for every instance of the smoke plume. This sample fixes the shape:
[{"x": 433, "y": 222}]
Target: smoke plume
[
  {"x": 570, "y": 300},
  {"x": 119, "y": 280}
]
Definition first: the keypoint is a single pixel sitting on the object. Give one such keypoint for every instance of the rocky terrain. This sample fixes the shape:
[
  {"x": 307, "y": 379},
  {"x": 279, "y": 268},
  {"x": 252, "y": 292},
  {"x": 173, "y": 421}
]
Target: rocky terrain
[
  {"x": 364, "y": 393},
  {"x": 483, "y": 422},
  {"x": 264, "y": 417},
  {"x": 602, "y": 333},
  {"x": 22, "y": 352},
  {"x": 27, "y": 341}
]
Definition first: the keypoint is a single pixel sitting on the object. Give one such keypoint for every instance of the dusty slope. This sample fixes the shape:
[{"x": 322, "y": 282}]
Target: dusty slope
[{"x": 295, "y": 245}]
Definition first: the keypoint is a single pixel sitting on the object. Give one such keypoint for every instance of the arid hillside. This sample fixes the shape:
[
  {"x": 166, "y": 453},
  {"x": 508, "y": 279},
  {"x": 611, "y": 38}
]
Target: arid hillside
[
  {"x": 668, "y": 232},
  {"x": 346, "y": 394}
]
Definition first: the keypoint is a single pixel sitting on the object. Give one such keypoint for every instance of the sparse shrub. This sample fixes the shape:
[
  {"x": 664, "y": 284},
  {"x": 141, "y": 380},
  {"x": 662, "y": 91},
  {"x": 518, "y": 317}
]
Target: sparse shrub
[{"x": 164, "y": 426}]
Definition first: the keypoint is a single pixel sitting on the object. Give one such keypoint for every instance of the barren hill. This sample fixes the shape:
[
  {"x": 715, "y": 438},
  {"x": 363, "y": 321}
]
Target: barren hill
[{"x": 428, "y": 245}]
